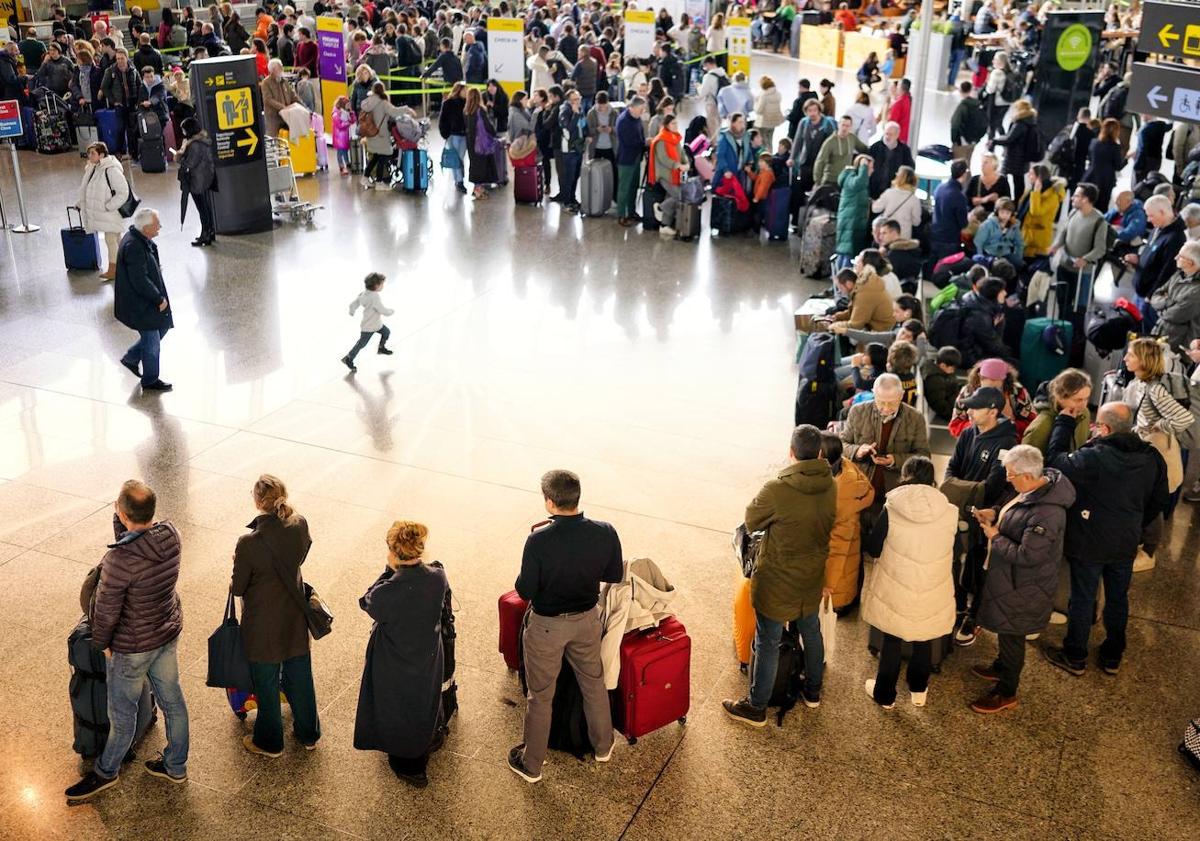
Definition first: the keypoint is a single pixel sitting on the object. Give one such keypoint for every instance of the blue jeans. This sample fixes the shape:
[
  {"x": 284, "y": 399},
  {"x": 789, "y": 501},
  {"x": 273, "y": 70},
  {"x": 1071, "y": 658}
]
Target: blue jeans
[
  {"x": 767, "y": 634},
  {"x": 343, "y": 158},
  {"x": 145, "y": 351},
  {"x": 126, "y": 675},
  {"x": 571, "y": 164},
  {"x": 956, "y": 60},
  {"x": 1085, "y": 580},
  {"x": 363, "y": 338},
  {"x": 458, "y": 142}
]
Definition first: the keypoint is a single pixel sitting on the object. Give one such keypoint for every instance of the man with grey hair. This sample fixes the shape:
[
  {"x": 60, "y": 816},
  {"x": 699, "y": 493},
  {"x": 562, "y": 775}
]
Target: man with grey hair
[
  {"x": 1155, "y": 263},
  {"x": 1191, "y": 221},
  {"x": 1120, "y": 486},
  {"x": 881, "y": 434},
  {"x": 1025, "y": 545},
  {"x": 140, "y": 299},
  {"x": 1177, "y": 303}
]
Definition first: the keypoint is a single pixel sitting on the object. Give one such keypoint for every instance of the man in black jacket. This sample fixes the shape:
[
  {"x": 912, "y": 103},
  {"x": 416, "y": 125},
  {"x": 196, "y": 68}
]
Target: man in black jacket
[
  {"x": 562, "y": 568},
  {"x": 890, "y": 153},
  {"x": 974, "y": 324},
  {"x": 1155, "y": 263},
  {"x": 446, "y": 63},
  {"x": 796, "y": 113},
  {"x": 1121, "y": 485},
  {"x": 1083, "y": 137},
  {"x": 140, "y": 299},
  {"x": 976, "y": 458}
]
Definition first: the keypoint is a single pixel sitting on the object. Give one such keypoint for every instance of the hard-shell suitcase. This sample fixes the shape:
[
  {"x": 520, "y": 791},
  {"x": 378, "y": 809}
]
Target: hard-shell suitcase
[
  {"x": 1045, "y": 350},
  {"x": 816, "y": 245},
  {"x": 414, "y": 170},
  {"x": 726, "y": 218},
  {"x": 777, "y": 218},
  {"x": 939, "y": 648},
  {"x": 152, "y": 155},
  {"x": 81, "y": 250},
  {"x": 112, "y": 130},
  {"x": 652, "y": 194},
  {"x": 148, "y": 124},
  {"x": 318, "y": 130},
  {"x": 50, "y": 127},
  {"x": 170, "y": 140},
  {"x": 744, "y": 621},
  {"x": 687, "y": 221},
  {"x": 512, "y": 616},
  {"x": 527, "y": 184},
  {"x": 654, "y": 687},
  {"x": 596, "y": 186},
  {"x": 303, "y": 153},
  {"x": 86, "y": 132},
  {"x": 89, "y": 696}
]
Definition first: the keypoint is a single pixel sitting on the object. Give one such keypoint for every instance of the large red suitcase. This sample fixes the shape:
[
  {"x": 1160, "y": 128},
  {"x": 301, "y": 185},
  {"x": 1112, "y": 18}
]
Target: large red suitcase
[
  {"x": 655, "y": 685},
  {"x": 527, "y": 184},
  {"x": 512, "y": 614}
]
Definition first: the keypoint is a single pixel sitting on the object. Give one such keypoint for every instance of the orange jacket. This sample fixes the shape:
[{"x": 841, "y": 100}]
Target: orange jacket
[
  {"x": 764, "y": 180},
  {"x": 854, "y": 495}
]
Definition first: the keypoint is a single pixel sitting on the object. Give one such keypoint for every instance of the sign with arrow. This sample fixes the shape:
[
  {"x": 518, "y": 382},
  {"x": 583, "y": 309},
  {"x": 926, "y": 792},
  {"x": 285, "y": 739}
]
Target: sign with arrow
[
  {"x": 1170, "y": 29},
  {"x": 1170, "y": 91}
]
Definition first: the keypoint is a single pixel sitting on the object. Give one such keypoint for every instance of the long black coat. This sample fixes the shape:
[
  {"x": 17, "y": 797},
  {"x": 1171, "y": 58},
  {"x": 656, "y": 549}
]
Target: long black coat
[
  {"x": 1018, "y": 593},
  {"x": 399, "y": 701},
  {"x": 1017, "y": 146},
  {"x": 482, "y": 168},
  {"x": 139, "y": 286}
]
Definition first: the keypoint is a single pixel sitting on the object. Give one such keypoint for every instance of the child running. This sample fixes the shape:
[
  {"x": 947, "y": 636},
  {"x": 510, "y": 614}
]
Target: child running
[{"x": 373, "y": 312}]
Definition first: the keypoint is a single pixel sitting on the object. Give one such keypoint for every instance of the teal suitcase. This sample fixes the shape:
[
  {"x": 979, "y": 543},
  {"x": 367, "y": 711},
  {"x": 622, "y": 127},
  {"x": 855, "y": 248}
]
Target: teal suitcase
[{"x": 1045, "y": 350}]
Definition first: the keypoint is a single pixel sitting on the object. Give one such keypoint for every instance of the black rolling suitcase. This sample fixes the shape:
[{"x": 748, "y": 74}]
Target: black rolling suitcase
[
  {"x": 651, "y": 194},
  {"x": 89, "y": 696},
  {"x": 153, "y": 152}
]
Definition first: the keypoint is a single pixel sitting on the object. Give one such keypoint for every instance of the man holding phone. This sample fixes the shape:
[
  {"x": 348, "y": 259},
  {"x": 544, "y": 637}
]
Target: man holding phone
[{"x": 882, "y": 433}]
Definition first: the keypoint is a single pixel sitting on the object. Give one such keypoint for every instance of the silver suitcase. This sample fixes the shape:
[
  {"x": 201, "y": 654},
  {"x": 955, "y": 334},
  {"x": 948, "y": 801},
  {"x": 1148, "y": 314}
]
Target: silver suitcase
[{"x": 597, "y": 180}]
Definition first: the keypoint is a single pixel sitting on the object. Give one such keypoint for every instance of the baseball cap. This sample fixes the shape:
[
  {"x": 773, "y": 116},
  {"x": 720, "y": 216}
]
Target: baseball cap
[
  {"x": 985, "y": 398},
  {"x": 993, "y": 369}
]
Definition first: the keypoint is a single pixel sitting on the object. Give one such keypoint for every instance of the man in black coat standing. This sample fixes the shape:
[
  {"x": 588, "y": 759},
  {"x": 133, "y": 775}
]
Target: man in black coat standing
[
  {"x": 1155, "y": 263},
  {"x": 1120, "y": 485},
  {"x": 140, "y": 299}
]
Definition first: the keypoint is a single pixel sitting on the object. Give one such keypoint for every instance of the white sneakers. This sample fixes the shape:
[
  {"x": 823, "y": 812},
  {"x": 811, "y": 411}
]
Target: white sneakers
[
  {"x": 1143, "y": 561},
  {"x": 608, "y": 755},
  {"x": 665, "y": 232},
  {"x": 918, "y": 698},
  {"x": 658, "y": 211},
  {"x": 1057, "y": 618}
]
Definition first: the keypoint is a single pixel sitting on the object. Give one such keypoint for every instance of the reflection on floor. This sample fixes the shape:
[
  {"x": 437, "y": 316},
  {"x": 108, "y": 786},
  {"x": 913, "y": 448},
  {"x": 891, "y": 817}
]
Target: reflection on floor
[{"x": 525, "y": 339}]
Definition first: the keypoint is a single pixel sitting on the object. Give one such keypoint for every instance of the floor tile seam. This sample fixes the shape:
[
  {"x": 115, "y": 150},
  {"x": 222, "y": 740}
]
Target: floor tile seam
[
  {"x": 1155, "y": 621},
  {"x": 449, "y": 475},
  {"x": 100, "y": 506},
  {"x": 24, "y": 551},
  {"x": 285, "y": 812},
  {"x": 653, "y": 784}
]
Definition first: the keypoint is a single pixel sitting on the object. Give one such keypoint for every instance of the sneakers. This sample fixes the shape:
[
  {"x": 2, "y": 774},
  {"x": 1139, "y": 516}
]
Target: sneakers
[
  {"x": 158, "y": 768},
  {"x": 1057, "y": 618},
  {"x": 993, "y": 702},
  {"x": 607, "y": 756},
  {"x": 1033, "y": 637},
  {"x": 812, "y": 700},
  {"x": 966, "y": 633},
  {"x": 1055, "y": 656},
  {"x": 158, "y": 385},
  {"x": 745, "y": 712},
  {"x": 666, "y": 233},
  {"x": 1144, "y": 561},
  {"x": 516, "y": 764},
  {"x": 349, "y": 363},
  {"x": 870, "y": 687},
  {"x": 658, "y": 211},
  {"x": 248, "y": 743},
  {"x": 919, "y": 698},
  {"x": 384, "y": 351},
  {"x": 985, "y": 672},
  {"x": 91, "y": 785},
  {"x": 1109, "y": 667}
]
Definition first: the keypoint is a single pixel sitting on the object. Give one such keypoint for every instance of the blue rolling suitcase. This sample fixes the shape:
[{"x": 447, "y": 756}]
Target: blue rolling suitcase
[
  {"x": 81, "y": 250},
  {"x": 414, "y": 168},
  {"x": 28, "y": 138},
  {"x": 777, "y": 218},
  {"x": 111, "y": 131}
]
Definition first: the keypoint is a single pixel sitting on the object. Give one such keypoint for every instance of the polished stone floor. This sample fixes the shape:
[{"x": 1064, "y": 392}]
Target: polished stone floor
[{"x": 524, "y": 340}]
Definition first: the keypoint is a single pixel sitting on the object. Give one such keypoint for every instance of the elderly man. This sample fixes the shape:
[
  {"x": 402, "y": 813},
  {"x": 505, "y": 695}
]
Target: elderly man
[
  {"x": 1191, "y": 221},
  {"x": 1120, "y": 486},
  {"x": 277, "y": 94},
  {"x": 1155, "y": 263},
  {"x": 1128, "y": 218},
  {"x": 883, "y": 433},
  {"x": 1025, "y": 545},
  {"x": 1177, "y": 302},
  {"x": 140, "y": 299},
  {"x": 890, "y": 153}
]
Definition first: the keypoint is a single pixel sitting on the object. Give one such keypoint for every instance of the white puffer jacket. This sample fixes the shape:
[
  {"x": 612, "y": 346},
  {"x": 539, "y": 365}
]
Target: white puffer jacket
[
  {"x": 103, "y": 190},
  {"x": 909, "y": 591}
]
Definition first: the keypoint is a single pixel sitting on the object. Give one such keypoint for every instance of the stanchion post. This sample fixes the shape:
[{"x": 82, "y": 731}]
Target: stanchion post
[{"x": 24, "y": 227}]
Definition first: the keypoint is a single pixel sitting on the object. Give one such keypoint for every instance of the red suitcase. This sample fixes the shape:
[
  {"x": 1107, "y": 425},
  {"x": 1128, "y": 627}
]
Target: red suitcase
[
  {"x": 654, "y": 687},
  {"x": 527, "y": 184},
  {"x": 512, "y": 615}
]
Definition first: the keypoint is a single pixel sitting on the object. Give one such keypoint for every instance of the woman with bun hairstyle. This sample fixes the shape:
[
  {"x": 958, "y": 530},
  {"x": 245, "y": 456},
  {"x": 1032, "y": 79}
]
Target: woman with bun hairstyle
[
  {"x": 400, "y": 697},
  {"x": 266, "y": 571}
]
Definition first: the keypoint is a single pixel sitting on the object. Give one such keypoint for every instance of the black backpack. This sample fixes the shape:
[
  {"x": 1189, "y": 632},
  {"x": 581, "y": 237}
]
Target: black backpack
[
  {"x": 1014, "y": 84},
  {"x": 408, "y": 54},
  {"x": 975, "y": 126},
  {"x": 1144, "y": 189},
  {"x": 816, "y": 402},
  {"x": 1108, "y": 328},
  {"x": 817, "y": 360},
  {"x": 946, "y": 329},
  {"x": 1061, "y": 153},
  {"x": 789, "y": 676}
]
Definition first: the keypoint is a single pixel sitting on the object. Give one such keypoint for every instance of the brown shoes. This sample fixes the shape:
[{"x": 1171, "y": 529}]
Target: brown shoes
[
  {"x": 992, "y": 702},
  {"x": 986, "y": 672}
]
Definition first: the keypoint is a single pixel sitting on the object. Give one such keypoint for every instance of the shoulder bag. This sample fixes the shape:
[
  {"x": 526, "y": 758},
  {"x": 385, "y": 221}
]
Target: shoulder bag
[
  {"x": 129, "y": 205},
  {"x": 228, "y": 666},
  {"x": 316, "y": 612}
]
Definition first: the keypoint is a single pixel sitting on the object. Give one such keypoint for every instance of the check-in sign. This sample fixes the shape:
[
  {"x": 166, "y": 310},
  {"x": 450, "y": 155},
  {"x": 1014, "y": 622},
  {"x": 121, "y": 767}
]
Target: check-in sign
[
  {"x": 1171, "y": 29},
  {"x": 1170, "y": 91}
]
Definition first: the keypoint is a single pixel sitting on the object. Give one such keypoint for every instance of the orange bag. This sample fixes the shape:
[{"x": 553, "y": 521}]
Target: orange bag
[{"x": 744, "y": 620}]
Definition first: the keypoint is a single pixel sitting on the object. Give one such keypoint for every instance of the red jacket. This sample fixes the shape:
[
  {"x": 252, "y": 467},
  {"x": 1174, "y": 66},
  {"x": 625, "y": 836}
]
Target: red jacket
[{"x": 901, "y": 112}]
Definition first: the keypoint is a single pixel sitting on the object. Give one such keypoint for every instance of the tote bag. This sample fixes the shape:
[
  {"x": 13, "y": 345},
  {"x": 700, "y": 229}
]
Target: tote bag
[{"x": 228, "y": 666}]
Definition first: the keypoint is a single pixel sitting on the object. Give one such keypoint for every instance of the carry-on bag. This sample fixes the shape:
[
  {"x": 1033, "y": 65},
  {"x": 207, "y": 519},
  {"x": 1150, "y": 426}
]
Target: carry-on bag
[
  {"x": 777, "y": 219},
  {"x": 654, "y": 686},
  {"x": 81, "y": 250},
  {"x": 303, "y": 153},
  {"x": 28, "y": 138},
  {"x": 51, "y": 129},
  {"x": 89, "y": 696},
  {"x": 228, "y": 666},
  {"x": 414, "y": 170},
  {"x": 744, "y": 622},
  {"x": 111, "y": 130},
  {"x": 152, "y": 154},
  {"x": 86, "y": 132},
  {"x": 652, "y": 194},
  {"x": 726, "y": 219},
  {"x": 687, "y": 221},
  {"x": 512, "y": 618},
  {"x": 318, "y": 130},
  {"x": 527, "y": 184},
  {"x": 817, "y": 243},
  {"x": 148, "y": 124},
  {"x": 596, "y": 186}
]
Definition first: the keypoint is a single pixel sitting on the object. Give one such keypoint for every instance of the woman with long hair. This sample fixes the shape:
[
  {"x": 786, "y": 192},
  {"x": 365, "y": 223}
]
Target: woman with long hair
[
  {"x": 452, "y": 126},
  {"x": 481, "y": 144}
]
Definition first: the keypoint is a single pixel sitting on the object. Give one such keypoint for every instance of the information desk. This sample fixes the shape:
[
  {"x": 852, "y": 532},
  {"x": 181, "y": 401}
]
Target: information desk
[{"x": 821, "y": 45}]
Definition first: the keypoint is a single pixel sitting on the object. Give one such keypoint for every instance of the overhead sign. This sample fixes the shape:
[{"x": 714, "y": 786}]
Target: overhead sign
[
  {"x": 10, "y": 118},
  {"x": 331, "y": 65},
  {"x": 506, "y": 53},
  {"x": 1170, "y": 91},
  {"x": 1171, "y": 29},
  {"x": 639, "y": 34}
]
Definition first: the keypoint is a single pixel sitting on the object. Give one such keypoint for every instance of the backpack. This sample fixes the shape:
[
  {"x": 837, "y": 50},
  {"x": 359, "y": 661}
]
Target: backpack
[
  {"x": 817, "y": 360},
  {"x": 1014, "y": 85},
  {"x": 975, "y": 126},
  {"x": 1144, "y": 189},
  {"x": 946, "y": 329},
  {"x": 816, "y": 402},
  {"x": 408, "y": 54},
  {"x": 789, "y": 676},
  {"x": 367, "y": 127},
  {"x": 1062, "y": 150},
  {"x": 951, "y": 292},
  {"x": 1108, "y": 327}
]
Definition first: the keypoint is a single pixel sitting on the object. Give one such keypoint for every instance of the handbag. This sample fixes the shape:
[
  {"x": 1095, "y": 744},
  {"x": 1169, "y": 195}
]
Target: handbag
[
  {"x": 746, "y": 547},
  {"x": 450, "y": 158},
  {"x": 129, "y": 205},
  {"x": 828, "y": 620},
  {"x": 485, "y": 144},
  {"x": 316, "y": 613},
  {"x": 228, "y": 666}
]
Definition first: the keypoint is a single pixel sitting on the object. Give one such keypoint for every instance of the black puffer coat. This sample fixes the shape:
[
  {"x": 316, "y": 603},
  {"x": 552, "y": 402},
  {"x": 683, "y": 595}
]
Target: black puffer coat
[
  {"x": 137, "y": 608},
  {"x": 1018, "y": 593}
]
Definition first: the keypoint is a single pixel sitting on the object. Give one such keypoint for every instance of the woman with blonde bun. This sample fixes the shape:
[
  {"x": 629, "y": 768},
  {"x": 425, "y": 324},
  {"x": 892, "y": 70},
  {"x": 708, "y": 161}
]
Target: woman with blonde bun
[
  {"x": 266, "y": 563},
  {"x": 400, "y": 697}
]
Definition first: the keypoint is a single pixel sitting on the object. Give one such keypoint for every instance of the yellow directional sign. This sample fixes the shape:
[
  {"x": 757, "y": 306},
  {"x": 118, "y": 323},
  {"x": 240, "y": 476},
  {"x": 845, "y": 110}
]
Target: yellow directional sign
[
  {"x": 1166, "y": 35},
  {"x": 1171, "y": 29},
  {"x": 251, "y": 140},
  {"x": 235, "y": 108}
]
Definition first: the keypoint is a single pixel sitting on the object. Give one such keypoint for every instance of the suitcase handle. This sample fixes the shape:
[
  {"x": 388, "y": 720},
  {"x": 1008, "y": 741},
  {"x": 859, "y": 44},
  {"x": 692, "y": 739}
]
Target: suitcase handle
[{"x": 78, "y": 213}]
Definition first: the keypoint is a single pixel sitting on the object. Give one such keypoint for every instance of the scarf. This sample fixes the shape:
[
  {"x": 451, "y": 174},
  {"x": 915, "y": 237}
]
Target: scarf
[{"x": 672, "y": 139}]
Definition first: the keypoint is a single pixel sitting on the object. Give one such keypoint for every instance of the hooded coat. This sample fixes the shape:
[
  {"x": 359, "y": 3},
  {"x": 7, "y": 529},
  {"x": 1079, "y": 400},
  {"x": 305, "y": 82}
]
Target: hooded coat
[
  {"x": 853, "y": 217},
  {"x": 136, "y": 606},
  {"x": 1037, "y": 228},
  {"x": 798, "y": 510},
  {"x": 854, "y": 495},
  {"x": 101, "y": 193},
  {"x": 909, "y": 591},
  {"x": 1037, "y": 434},
  {"x": 1023, "y": 559},
  {"x": 399, "y": 698}
]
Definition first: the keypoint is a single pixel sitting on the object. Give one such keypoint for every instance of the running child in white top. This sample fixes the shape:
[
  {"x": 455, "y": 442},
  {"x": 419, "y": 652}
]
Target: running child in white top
[{"x": 373, "y": 312}]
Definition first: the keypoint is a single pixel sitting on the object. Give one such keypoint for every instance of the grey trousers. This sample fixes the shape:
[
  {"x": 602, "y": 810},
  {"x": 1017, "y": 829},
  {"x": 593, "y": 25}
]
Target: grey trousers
[{"x": 547, "y": 640}]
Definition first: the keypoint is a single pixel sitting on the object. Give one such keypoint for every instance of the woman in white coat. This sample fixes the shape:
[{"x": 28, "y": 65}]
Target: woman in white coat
[
  {"x": 101, "y": 193},
  {"x": 909, "y": 592},
  {"x": 768, "y": 111},
  {"x": 900, "y": 202}
]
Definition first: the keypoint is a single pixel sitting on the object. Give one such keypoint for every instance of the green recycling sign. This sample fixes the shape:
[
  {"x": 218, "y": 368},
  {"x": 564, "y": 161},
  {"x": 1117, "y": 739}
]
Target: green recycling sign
[{"x": 1074, "y": 47}]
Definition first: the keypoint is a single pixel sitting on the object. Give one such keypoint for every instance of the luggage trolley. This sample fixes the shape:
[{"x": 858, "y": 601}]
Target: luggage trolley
[{"x": 281, "y": 183}]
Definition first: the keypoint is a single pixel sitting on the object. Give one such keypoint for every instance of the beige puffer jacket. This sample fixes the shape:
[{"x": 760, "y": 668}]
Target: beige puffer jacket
[{"x": 101, "y": 193}]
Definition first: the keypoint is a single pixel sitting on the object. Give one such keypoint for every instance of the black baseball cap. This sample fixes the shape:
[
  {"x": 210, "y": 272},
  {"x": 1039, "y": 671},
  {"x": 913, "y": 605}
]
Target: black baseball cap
[{"x": 985, "y": 398}]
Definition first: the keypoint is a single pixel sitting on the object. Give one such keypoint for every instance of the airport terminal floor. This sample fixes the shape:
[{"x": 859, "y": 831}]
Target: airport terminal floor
[{"x": 525, "y": 339}]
